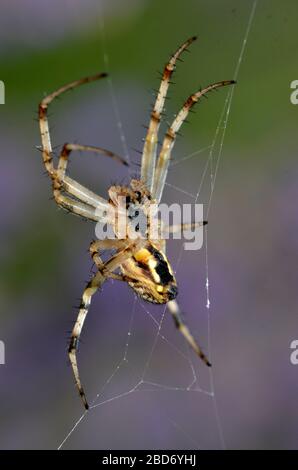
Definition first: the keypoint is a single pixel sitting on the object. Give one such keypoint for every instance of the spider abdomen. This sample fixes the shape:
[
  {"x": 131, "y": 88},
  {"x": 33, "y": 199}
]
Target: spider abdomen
[{"x": 149, "y": 273}]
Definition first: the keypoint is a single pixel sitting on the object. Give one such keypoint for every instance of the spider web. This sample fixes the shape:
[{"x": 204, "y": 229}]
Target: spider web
[{"x": 211, "y": 166}]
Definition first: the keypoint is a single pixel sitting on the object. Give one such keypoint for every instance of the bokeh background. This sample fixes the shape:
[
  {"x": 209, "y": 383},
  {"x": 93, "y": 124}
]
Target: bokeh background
[{"x": 252, "y": 232}]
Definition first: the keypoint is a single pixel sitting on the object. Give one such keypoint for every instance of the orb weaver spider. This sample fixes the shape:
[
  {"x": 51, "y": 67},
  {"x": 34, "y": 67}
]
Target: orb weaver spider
[{"x": 141, "y": 263}]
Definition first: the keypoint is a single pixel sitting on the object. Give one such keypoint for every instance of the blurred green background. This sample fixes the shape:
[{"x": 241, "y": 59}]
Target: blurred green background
[{"x": 252, "y": 232}]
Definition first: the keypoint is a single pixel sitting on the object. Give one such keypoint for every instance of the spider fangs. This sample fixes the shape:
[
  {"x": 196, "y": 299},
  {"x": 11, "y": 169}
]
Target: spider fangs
[{"x": 140, "y": 262}]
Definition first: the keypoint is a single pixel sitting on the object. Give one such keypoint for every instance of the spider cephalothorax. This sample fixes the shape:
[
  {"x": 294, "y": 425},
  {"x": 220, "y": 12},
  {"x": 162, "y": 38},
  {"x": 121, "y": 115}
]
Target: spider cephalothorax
[
  {"x": 139, "y": 258},
  {"x": 131, "y": 205}
]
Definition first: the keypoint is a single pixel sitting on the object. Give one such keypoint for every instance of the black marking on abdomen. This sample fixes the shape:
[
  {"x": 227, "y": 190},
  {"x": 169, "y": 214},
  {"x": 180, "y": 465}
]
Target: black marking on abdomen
[{"x": 161, "y": 267}]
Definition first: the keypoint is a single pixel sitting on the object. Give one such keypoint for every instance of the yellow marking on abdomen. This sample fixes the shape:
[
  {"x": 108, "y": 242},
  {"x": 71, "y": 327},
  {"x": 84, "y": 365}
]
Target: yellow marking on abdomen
[{"x": 143, "y": 256}]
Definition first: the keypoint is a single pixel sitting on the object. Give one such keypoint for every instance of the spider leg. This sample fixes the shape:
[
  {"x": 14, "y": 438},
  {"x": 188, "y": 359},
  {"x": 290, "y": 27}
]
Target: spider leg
[
  {"x": 107, "y": 244},
  {"x": 150, "y": 145},
  {"x": 89, "y": 291},
  {"x": 186, "y": 226},
  {"x": 85, "y": 195},
  {"x": 43, "y": 118},
  {"x": 72, "y": 205},
  {"x": 183, "y": 328},
  {"x": 86, "y": 198},
  {"x": 104, "y": 272},
  {"x": 72, "y": 187},
  {"x": 68, "y": 148},
  {"x": 170, "y": 137}
]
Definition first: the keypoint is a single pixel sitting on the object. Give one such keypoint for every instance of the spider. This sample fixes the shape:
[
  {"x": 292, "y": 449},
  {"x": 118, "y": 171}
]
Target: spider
[{"x": 141, "y": 262}]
